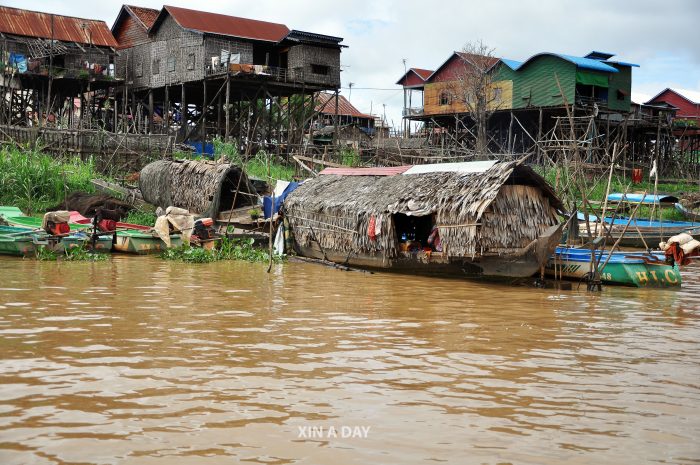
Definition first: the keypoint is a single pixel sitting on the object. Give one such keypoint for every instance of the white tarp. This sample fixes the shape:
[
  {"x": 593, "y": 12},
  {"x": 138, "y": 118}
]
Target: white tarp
[{"x": 463, "y": 167}]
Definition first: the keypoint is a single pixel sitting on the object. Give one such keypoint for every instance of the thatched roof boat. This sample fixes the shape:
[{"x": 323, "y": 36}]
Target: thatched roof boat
[
  {"x": 203, "y": 188},
  {"x": 493, "y": 219}
]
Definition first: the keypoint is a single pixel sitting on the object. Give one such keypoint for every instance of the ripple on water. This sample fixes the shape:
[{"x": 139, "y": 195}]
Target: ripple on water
[{"x": 224, "y": 363}]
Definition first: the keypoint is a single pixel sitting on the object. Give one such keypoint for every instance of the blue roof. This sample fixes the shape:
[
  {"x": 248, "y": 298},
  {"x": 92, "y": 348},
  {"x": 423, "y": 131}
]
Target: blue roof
[
  {"x": 581, "y": 62},
  {"x": 512, "y": 64}
]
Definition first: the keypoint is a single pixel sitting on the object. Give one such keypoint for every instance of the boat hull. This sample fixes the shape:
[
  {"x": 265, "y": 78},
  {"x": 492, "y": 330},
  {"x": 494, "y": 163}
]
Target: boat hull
[
  {"x": 137, "y": 242},
  {"x": 522, "y": 264},
  {"x": 624, "y": 269}
]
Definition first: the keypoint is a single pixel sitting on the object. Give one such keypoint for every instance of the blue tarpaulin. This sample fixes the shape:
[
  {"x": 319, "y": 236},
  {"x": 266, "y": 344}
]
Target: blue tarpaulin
[
  {"x": 267, "y": 200},
  {"x": 206, "y": 149}
]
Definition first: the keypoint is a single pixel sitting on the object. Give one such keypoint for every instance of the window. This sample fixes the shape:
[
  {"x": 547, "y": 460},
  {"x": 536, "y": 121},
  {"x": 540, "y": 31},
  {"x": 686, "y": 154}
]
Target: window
[
  {"x": 497, "y": 94},
  {"x": 320, "y": 69},
  {"x": 156, "y": 66},
  {"x": 171, "y": 64},
  {"x": 139, "y": 69},
  {"x": 190, "y": 61},
  {"x": 445, "y": 98}
]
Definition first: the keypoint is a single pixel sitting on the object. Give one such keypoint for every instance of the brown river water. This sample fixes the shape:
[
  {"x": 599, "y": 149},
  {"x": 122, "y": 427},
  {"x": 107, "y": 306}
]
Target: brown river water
[{"x": 140, "y": 361}]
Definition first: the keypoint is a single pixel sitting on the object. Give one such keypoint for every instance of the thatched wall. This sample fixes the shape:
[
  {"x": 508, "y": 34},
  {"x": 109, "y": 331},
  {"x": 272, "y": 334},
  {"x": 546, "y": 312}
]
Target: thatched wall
[
  {"x": 204, "y": 188},
  {"x": 335, "y": 211}
]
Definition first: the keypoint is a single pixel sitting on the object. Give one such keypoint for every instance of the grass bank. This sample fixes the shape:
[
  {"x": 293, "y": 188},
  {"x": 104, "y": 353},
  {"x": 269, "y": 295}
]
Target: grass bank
[
  {"x": 34, "y": 181},
  {"x": 569, "y": 186}
]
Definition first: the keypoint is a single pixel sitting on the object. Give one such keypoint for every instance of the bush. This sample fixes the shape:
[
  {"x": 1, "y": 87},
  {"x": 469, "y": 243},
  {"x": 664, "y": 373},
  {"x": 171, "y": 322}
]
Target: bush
[
  {"x": 228, "y": 249},
  {"x": 33, "y": 181}
]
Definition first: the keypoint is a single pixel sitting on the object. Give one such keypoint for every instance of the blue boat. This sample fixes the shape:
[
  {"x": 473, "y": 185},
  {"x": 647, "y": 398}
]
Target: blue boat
[
  {"x": 645, "y": 199},
  {"x": 641, "y": 232}
]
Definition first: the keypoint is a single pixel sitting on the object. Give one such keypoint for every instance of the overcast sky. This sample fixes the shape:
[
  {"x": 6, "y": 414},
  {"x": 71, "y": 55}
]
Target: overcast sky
[{"x": 660, "y": 36}]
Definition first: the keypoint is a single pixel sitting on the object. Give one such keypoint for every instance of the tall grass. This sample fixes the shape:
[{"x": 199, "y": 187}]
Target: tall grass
[
  {"x": 262, "y": 165},
  {"x": 33, "y": 180}
]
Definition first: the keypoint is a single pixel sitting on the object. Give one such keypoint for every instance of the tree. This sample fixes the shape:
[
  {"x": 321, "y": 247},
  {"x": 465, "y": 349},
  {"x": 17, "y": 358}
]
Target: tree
[{"x": 473, "y": 87}]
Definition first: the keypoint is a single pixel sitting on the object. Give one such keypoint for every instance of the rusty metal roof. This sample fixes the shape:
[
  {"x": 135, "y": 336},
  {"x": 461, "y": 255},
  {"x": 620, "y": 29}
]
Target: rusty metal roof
[
  {"x": 214, "y": 23},
  {"x": 376, "y": 171},
  {"x": 28, "y": 23},
  {"x": 325, "y": 103},
  {"x": 147, "y": 16}
]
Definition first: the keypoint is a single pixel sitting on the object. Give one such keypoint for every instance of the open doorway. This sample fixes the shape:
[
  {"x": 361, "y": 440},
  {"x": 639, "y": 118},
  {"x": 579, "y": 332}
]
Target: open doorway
[{"x": 413, "y": 230}]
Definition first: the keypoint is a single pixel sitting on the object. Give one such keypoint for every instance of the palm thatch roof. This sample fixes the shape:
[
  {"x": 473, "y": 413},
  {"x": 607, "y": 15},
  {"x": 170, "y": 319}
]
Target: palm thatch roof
[
  {"x": 204, "y": 188},
  {"x": 496, "y": 211}
]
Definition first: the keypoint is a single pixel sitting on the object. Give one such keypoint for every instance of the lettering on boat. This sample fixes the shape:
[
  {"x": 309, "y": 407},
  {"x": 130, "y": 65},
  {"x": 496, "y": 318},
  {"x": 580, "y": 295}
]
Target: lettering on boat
[{"x": 671, "y": 276}]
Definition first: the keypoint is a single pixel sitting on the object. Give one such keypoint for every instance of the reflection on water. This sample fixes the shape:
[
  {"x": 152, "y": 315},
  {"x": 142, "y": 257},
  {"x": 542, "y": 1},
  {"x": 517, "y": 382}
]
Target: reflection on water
[{"x": 142, "y": 361}]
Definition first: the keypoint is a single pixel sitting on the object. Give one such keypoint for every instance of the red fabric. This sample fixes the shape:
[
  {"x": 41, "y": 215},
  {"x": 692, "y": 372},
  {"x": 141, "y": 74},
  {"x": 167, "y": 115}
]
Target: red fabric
[
  {"x": 637, "y": 175},
  {"x": 60, "y": 228},
  {"x": 676, "y": 252},
  {"x": 371, "y": 228},
  {"x": 107, "y": 225}
]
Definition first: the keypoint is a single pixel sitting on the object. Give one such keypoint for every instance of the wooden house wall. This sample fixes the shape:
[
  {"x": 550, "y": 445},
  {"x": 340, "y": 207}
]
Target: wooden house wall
[
  {"x": 686, "y": 109},
  {"x": 130, "y": 33},
  {"x": 175, "y": 43},
  {"x": 214, "y": 45},
  {"x": 301, "y": 59},
  {"x": 434, "y": 90}
]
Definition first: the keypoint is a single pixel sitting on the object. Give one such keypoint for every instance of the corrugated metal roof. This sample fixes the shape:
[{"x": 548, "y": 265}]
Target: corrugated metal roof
[
  {"x": 423, "y": 73},
  {"x": 460, "y": 167},
  {"x": 326, "y": 104},
  {"x": 377, "y": 171},
  {"x": 512, "y": 64},
  {"x": 28, "y": 23},
  {"x": 147, "y": 16},
  {"x": 214, "y": 23}
]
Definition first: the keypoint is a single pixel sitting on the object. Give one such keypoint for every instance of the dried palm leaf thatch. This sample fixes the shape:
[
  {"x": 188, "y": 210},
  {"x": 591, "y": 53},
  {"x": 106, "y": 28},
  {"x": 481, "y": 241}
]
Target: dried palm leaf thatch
[
  {"x": 202, "y": 187},
  {"x": 496, "y": 211}
]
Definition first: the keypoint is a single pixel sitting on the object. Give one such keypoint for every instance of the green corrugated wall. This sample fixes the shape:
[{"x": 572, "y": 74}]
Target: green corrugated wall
[
  {"x": 535, "y": 85},
  {"x": 620, "y": 81}
]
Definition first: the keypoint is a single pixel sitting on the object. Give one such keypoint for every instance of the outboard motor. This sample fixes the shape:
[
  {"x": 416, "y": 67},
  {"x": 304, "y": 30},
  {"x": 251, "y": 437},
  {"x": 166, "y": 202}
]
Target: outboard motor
[{"x": 56, "y": 223}]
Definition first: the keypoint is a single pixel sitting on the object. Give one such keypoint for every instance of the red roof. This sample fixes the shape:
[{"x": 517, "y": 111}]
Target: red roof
[
  {"x": 414, "y": 77},
  {"x": 147, "y": 16},
  {"x": 325, "y": 103},
  {"x": 377, "y": 171},
  {"x": 455, "y": 64},
  {"x": 65, "y": 28},
  {"x": 214, "y": 23}
]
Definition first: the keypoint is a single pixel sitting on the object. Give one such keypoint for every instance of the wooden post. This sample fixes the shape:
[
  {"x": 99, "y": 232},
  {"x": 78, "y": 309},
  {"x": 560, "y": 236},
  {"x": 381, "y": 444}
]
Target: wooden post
[
  {"x": 228, "y": 102},
  {"x": 166, "y": 109},
  {"x": 151, "y": 107},
  {"x": 219, "y": 115},
  {"x": 183, "y": 111},
  {"x": 204, "y": 113}
]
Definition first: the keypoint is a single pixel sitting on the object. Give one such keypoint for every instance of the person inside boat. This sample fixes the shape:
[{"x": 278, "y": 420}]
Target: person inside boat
[{"x": 434, "y": 239}]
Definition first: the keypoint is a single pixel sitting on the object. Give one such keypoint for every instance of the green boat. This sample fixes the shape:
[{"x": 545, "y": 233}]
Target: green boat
[
  {"x": 635, "y": 269},
  {"x": 79, "y": 237},
  {"x": 141, "y": 242},
  {"x": 20, "y": 242}
]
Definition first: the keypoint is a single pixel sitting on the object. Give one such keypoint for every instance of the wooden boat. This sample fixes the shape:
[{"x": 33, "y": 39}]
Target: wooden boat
[
  {"x": 133, "y": 238},
  {"x": 641, "y": 233},
  {"x": 18, "y": 241},
  {"x": 493, "y": 219},
  {"x": 691, "y": 215},
  {"x": 78, "y": 237},
  {"x": 636, "y": 269}
]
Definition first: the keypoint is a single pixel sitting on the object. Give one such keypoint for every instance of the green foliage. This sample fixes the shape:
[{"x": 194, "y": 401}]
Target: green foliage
[
  {"x": 33, "y": 181},
  {"x": 82, "y": 254},
  {"x": 349, "y": 157},
  {"x": 228, "y": 249},
  {"x": 45, "y": 254},
  {"x": 71, "y": 254},
  {"x": 140, "y": 216},
  {"x": 262, "y": 165}
]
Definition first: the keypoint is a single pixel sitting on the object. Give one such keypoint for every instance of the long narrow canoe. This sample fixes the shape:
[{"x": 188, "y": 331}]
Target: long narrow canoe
[
  {"x": 18, "y": 241},
  {"x": 641, "y": 233},
  {"x": 133, "y": 238},
  {"x": 636, "y": 269}
]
